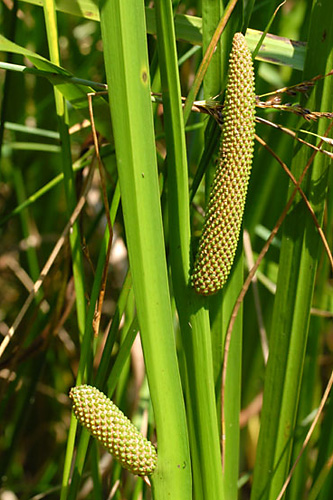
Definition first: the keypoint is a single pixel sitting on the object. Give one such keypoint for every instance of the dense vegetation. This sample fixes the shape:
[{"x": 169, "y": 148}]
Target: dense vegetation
[{"x": 72, "y": 304}]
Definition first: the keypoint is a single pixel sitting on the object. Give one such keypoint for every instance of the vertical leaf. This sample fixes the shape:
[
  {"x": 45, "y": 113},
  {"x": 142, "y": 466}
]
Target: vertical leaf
[
  {"x": 126, "y": 61},
  {"x": 297, "y": 269},
  {"x": 192, "y": 311}
]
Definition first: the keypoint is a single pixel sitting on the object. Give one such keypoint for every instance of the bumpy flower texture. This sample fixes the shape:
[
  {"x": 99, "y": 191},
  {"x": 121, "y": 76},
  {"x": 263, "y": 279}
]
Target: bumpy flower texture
[
  {"x": 103, "y": 419},
  {"x": 226, "y": 203}
]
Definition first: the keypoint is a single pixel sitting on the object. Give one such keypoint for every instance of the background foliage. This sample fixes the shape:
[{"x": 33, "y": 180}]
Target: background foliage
[{"x": 47, "y": 161}]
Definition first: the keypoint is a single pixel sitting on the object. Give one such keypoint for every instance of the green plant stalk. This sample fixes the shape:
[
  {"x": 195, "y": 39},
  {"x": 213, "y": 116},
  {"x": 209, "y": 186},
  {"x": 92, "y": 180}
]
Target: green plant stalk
[
  {"x": 194, "y": 320},
  {"x": 317, "y": 490},
  {"x": 322, "y": 300},
  {"x": 217, "y": 69},
  {"x": 212, "y": 12},
  {"x": 325, "y": 441},
  {"x": 103, "y": 373},
  {"x": 124, "y": 353},
  {"x": 130, "y": 329},
  {"x": 311, "y": 244},
  {"x": 232, "y": 384},
  {"x": 126, "y": 62},
  {"x": 78, "y": 270},
  {"x": 85, "y": 362},
  {"x": 297, "y": 267},
  {"x": 95, "y": 471},
  {"x": 307, "y": 401},
  {"x": 207, "y": 58},
  {"x": 221, "y": 305},
  {"x": 323, "y": 469}
]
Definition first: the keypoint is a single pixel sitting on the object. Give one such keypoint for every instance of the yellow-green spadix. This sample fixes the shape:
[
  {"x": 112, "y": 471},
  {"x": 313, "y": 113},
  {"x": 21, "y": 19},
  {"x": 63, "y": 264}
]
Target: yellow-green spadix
[
  {"x": 103, "y": 419},
  {"x": 226, "y": 203}
]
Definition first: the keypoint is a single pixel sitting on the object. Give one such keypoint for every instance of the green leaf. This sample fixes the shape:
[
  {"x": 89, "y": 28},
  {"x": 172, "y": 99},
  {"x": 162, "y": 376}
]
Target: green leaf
[
  {"x": 65, "y": 83},
  {"x": 127, "y": 70},
  {"x": 276, "y": 49}
]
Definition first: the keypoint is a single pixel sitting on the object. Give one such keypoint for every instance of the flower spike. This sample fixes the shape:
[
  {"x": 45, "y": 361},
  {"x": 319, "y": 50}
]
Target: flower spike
[
  {"x": 226, "y": 203},
  {"x": 103, "y": 419}
]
